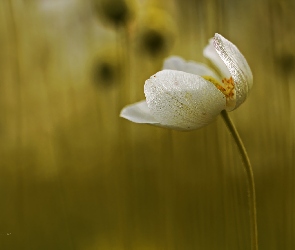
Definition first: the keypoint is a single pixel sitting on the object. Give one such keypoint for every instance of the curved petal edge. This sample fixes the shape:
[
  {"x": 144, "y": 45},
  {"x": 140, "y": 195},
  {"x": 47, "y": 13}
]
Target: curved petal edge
[
  {"x": 237, "y": 66},
  {"x": 138, "y": 113}
]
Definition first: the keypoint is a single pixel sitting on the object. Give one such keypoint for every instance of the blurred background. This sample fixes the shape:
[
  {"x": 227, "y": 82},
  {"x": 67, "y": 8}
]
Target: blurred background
[{"x": 73, "y": 175}]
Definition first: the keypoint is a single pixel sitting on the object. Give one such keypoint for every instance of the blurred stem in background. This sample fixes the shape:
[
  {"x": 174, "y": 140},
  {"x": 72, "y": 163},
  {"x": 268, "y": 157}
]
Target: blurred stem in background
[{"x": 250, "y": 178}]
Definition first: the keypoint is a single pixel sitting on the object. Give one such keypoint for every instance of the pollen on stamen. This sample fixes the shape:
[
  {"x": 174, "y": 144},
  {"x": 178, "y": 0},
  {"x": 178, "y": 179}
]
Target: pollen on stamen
[{"x": 229, "y": 87}]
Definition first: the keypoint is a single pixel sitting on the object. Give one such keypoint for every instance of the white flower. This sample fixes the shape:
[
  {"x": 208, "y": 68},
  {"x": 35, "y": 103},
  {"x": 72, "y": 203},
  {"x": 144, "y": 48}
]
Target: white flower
[{"x": 189, "y": 95}]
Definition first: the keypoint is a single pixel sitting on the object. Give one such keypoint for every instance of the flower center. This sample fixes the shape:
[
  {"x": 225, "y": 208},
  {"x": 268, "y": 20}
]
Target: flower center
[{"x": 227, "y": 87}]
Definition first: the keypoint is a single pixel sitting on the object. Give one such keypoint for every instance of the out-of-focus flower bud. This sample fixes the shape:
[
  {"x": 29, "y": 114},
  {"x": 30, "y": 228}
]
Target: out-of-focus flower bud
[
  {"x": 156, "y": 32},
  {"x": 106, "y": 67},
  {"x": 115, "y": 12}
]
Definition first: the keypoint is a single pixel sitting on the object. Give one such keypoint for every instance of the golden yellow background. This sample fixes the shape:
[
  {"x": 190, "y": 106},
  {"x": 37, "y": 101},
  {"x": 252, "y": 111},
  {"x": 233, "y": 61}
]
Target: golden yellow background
[{"x": 73, "y": 175}]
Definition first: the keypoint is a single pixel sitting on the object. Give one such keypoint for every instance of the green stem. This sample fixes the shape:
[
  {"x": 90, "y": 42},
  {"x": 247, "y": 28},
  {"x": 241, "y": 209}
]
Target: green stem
[{"x": 250, "y": 178}]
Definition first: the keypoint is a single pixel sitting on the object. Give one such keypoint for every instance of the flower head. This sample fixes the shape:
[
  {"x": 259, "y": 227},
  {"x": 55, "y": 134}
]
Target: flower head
[
  {"x": 189, "y": 95},
  {"x": 156, "y": 32},
  {"x": 106, "y": 66}
]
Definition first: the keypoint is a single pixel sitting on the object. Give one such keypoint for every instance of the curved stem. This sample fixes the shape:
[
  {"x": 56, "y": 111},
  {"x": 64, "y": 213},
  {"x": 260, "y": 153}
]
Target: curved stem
[{"x": 250, "y": 179}]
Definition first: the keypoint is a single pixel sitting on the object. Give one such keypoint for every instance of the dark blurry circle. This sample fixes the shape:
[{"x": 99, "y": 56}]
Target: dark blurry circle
[
  {"x": 104, "y": 73},
  {"x": 155, "y": 32},
  {"x": 153, "y": 41},
  {"x": 287, "y": 63},
  {"x": 116, "y": 12}
]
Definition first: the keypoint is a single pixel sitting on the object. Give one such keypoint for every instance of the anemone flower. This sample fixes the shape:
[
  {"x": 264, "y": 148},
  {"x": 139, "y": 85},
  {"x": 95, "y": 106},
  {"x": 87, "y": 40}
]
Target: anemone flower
[{"x": 189, "y": 95}]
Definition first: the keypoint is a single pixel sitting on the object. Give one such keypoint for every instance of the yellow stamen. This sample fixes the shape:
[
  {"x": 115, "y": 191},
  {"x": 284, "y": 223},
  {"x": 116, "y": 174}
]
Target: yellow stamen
[{"x": 227, "y": 87}]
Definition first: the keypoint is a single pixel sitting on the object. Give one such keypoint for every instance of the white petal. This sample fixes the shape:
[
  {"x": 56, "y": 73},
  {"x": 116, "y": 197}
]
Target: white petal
[
  {"x": 237, "y": 66},
  {"x": 139, "y": 113},
  {"x": 181, "y": 100},
  {"x": 177, "y": 63},
  {"x": 210, "y": 53}
]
